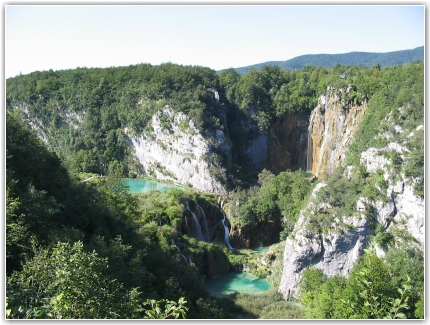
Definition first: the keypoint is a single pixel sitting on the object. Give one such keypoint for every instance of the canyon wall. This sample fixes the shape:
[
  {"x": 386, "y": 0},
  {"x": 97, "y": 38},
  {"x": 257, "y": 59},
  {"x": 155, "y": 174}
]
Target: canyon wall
[
  {"x": 283, "y": 146},
  {"x": 332, "y": 124},
  {"x": 179, "y": 152},
  {"x": 316, "y": 143},
  {"x": 287, "y": 144},
  {"x": 399, "y": 212}
]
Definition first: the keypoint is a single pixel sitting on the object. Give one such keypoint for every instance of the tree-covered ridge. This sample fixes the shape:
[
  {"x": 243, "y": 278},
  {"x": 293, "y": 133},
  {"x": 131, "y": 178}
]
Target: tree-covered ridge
[
  {"x": 83, "y": 112},
  {"x": 367, "y": 59}
]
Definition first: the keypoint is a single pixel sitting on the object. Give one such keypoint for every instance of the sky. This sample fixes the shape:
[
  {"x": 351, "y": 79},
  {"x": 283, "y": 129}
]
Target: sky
[{"x": 43, "y": 37}]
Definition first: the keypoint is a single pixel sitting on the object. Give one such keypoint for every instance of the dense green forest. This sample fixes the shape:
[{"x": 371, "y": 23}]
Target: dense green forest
[
  {"x": 92, "y": 250},
  {"x": 82, "y": 113},
  {"x": 367, "y": 59}
]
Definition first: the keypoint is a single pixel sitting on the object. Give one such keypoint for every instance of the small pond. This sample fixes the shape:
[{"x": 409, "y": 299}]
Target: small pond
[
  {"x": 240, "y": 282},
  {"x": 261, "y": 249},
  {"x": 140, "y": 185}
]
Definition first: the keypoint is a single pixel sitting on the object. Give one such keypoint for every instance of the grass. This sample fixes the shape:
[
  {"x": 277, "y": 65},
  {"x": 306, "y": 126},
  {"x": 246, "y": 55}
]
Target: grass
[{"x": 267, "y": 305}]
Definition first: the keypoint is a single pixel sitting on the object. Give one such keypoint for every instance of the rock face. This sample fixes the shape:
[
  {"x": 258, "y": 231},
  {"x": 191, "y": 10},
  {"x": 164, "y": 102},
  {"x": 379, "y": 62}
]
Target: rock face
[
  {"x": 404, "y": 206},
  {"x": 257, "y": 151},
  {"x": 177, "y": 151},
  {"x": 316, "y": 143},
  {"x": 335, "y": 250},
  {"x": 283, "y": 146},
  {"x": 332, "y": 126},
  {"x": 287, "y": 143}
]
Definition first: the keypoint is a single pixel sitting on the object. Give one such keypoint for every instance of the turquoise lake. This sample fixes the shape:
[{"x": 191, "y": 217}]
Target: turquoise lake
[
  {"x": 240, "y": 282},
  {"x": 220, "y": 286},
  {"x": 261, "y": 249},
  {"x": 145, "y": 185}
]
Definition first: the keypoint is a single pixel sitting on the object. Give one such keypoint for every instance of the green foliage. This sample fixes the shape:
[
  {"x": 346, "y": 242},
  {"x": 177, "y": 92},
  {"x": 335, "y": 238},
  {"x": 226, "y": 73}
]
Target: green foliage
[
  {"x": 170, "y": 309},
  {"x": 109, "y": 100},
  {"x": 45, "y": 205},
  {"x": 312, "y": 279},
  {"x": 279, "y": 198},
  {"x": 83, "y": 113},
  {"x": 375, "y": 294},
  {"x": 354, "y": 58},
  {"x": 397, "y": 95},
  {"x": 382, "y": 237},
  {"x": 267, "y": 305},
  {"x": 375, "y": 288},
  {"x": 66, "y": 282}
]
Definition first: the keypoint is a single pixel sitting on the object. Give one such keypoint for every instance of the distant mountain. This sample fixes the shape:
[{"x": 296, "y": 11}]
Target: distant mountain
[{"x": 353, "y": 58}]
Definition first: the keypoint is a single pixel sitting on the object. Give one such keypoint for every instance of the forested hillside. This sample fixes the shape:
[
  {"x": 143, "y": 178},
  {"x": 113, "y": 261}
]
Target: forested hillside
[
  {"x": 90, "y": 249},
  {"x": 367, "y": 59}
]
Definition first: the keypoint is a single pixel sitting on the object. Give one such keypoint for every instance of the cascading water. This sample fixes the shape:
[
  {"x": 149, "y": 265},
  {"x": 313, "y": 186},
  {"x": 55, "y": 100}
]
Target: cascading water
[
  {"x": 309, "y": 149},
  {"x": 226, "y": 231},
  {"x": 326, "y": 139},
  {"x": 202, "y": 233},
  {"x": 174, "y": 245},
  {"x": 226, "y": 235},
  {"x": 213, "y": 231},
  {"x": 196, "y": 223},
  {"x": 205, "y": 223}
]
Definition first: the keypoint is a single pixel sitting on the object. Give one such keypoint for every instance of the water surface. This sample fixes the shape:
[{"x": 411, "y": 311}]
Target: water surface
[
  {"x": 232, "y": 282},
  {"x": 261, "y": 249},
  {"x": 140, "y": 185}
]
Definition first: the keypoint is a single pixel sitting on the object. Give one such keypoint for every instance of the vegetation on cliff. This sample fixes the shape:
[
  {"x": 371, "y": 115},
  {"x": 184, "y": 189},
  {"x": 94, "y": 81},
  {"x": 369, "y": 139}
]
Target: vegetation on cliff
[
  {"x": 59, "y": 231},
  {"x": 392, "y": 130},
  {"x": 391, "y": 287},
  {"x": 138, "y": 247},
  {"x": 83, "y": 112}
]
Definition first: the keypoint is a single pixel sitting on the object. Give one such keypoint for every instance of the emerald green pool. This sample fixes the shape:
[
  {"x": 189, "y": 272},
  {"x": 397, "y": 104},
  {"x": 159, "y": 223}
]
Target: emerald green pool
[
  {"x": 261, "y": 249},
  {"x": 240, "y": 282},
  {"x": 145, "y": 185}
]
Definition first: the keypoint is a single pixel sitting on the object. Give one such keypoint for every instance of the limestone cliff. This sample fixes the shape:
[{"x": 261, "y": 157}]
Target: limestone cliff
[
  {"x": 283, "y": 146},
  {"x": 332, "y": 125},
  {"x": 316, "y": 143},
  {"x": 287, "y": 143},
  {"x": 335, "y": 248},
  {"x": 173, "y": 149}
]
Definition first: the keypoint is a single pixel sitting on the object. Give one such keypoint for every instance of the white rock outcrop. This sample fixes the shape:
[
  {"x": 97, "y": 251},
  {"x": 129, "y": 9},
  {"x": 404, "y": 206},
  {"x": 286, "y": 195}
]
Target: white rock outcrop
[
  {"x": 179, "y": 152},
  {"x": 334, "y": 252}
]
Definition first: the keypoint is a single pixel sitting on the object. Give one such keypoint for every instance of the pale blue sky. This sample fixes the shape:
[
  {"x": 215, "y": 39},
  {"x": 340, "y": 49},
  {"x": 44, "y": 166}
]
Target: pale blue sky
[{"x": 65, "y": 37}]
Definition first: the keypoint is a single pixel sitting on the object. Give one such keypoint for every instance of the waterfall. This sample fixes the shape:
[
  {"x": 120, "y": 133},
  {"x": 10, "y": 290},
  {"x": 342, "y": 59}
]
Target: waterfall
[
  {"x": 213, "y": 231},
  {"x": 197, "y": 223},
  {"x": 226, "y": 236},
  {"x": 309, "y": 149},
  {"x": 174, "y": 245},
  {"x": 205, "y": 223},
  {"x": 327, "y": 134}
]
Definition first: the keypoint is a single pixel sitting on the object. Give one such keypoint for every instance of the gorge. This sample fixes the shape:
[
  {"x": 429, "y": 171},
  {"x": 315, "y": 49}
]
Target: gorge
[{"x": 323, "y": 166}]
